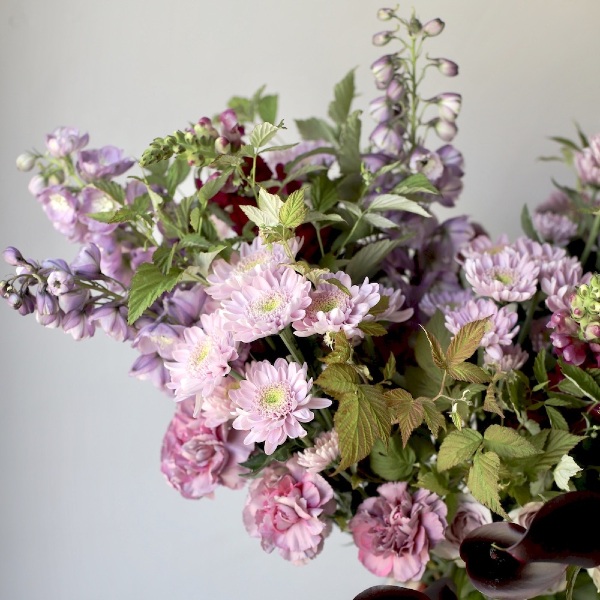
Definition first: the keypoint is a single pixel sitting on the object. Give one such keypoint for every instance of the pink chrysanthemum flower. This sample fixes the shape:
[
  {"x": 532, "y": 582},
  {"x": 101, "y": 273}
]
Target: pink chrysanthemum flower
[
  {"x": 445, "y": 300},
  {"x": 546, "y": 256},
  {"x": 554, "y": 228},
  {"x": 395, "y": 530},
  {"x": 396, "y": 300},
  {"x": 217, "y": 408},
  {"x": 561, "y": 282},
  {"x": 333, "y": 310},
  {"x": 482, "y": 244},
  {"x": 200, "y": 360},
  {"x": 504, "y": 276},
  {"x": 272, "y": 402},
  {"x": 266, "y": 303},
  {"x": 325, "y": 451},
  {"x": 251, "y": 259},
  {"x": 501, "y": 326},
  {"x": 288, "y": 509},
  {"x": 197, "y": 458},
  {"x": 512, "y": 359}
]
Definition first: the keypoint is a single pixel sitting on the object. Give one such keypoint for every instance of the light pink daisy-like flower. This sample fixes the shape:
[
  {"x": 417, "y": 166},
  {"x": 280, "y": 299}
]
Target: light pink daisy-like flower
[
  {"x": 322, "y": 454},
  {"x": 512, "y": 359},
  {"x": 501, "y": 326},
  {"x": 288, "y": 510},
  {"x": 587, "y": 162},
  {"x": 546, "y": 256},
  {"x": 266, "y": 303},
  {"x": 395, "y": 530},
  {"x": 197, "y": 458},
  {"x": 200, "y": 361},
  {"x": 560, "y": 283},
  {"x": 392, "y": 313},
  {"x": 251, "y": 259},
  {"x": 505, "y": 276},
  {"x": 482, "y": 244},
  {"x": 554, "y": 228},
  {"x": 333, "y": 310},
  {"x": 272, "y": 402},
  {"x": 217, "y": 408},
  {"x": 444, "y": 300}
]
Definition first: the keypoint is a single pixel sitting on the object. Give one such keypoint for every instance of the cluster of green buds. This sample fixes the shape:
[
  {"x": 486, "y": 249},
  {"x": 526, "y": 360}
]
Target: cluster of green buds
[{"x": 585, "y": 309}]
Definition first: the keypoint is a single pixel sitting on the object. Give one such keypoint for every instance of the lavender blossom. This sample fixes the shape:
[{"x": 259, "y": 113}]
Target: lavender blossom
[
  {"x": 554, "y": 228},
  {"x": 587, "y": 162},
  {"x": 105, "y": 163},
  {"x": 65, "y": 140}
]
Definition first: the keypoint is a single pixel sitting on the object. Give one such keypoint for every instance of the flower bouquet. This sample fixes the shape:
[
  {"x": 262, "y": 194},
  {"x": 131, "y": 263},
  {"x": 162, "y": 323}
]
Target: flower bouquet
[{"x": 335, "y": 349}]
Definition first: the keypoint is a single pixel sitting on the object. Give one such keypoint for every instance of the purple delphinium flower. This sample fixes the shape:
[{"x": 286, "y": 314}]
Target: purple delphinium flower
[
  {"x": 395, "y": 530},
  {"x": 554, "y": 228},
  {"x": 65, "y": 140},
  {"x": 272, "y": 401},
  {"x": 60, "y": 282},
  {"x": 112, "y": 319},
  {"x": 93, "y": 201},
  {"x": 105, "y": 163},
  {"x": 62, "y": 208},
  {"x": 505, "y": 276},
  {"x": 186, "y": 306},
  {"x": 151, "y": 367},
  {"x": 392, "y": 313},
  {"x": 78, "y": 324}
]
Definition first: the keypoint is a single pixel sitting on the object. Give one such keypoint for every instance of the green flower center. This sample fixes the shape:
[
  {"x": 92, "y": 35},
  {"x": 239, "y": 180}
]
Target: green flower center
[
  {"x": 199, "y": 355},
  {"x": 275, "y": 400},
  {"x": 504, "y": 277}
]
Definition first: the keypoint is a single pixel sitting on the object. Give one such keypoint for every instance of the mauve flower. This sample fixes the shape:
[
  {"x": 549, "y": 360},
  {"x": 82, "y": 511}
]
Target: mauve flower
[
  {"x": 112, "y": 318},
  {"x": 504, "y": 276},
  {"x": 186, "y": 306},
  {"x": 78, "y": 324},
  {"x": 445, "y": 130},
  {"x": 433, "y": 28},
  {"x": 383, "y": 71},
  {"x": 62, "y": 208},
  {"x": 151, "y": 367},
  {"x": 36, "y": 185},
  {"x": 523, "y": 515},
  {"x": 105, "y": 163},
  {"x": 65, "y": 140},
  {"x": 560, "y": 283},
  {"x": 288, "y": 509},
  {"x": 469, "y": 515},
  {"x": 60, "y": 282},
  {"x": 446, "y": 67},
  {"x": 87, "y": 261},
  {"x": 448, "y": 105},
  {"x": 565, "y": 338},
  {"x": 387, "y": 138},
  {"x": 93, "y": 201},
  {"x": 217, "y": 407},
  {"x": 12, "y": 256},
  {"x": 512, "y": 359},
  {"x": 272, "y": 401},
  {"x": 587, "y": 162},
  {"x": 196, "y": 458},
  {"x": 481, "y": 244},
  {"x": 426, "y": 162},
  {"x": 546, "y": 256},
  {"x": 283, "y": 157},
  {"x": 444, "y": 299},
  {"x": 325, "y": 451},
  {"x": 392, "y": 313},
  {"x": 157, "y": 337},
  {"x": 395, "y": 530},
  {"x": 554, "y": 228}
]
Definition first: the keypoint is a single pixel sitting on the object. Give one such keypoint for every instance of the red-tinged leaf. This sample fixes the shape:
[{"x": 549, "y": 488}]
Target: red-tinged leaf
[
  {"x": 468, "y": 372},
  {"x": 466, "y": 341},
  {"x": 434, "y": 418},
  {"x": 338, "y": 379},
  {"x": 437, "y": 354},
  {"x": 408, "y": 411}
]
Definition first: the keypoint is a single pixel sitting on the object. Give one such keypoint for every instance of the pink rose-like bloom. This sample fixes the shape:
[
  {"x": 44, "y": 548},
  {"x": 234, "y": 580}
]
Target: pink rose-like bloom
[
  {"x": 469, "y": 516},
  {"x": 288, "y": 510},
  {"x": 272, "y": 402},
  {"x": 395, "y": 530},
  {"x": 196, "y": 459}
]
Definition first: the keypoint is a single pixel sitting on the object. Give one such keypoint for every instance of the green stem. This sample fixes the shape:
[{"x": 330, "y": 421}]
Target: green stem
[
  {"x": 528, "y": 318},
  {"x": 592, "y": 237},
  {"x": 290, "y": 343},
  {"x": 318, "y": 230}
]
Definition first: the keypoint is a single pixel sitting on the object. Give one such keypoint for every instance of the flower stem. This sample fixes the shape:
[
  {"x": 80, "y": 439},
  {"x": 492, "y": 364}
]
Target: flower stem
[
  {"x": 290, "y": 343},
  {"x": 592, "y": 237},
  {"x": 528, "y": 318}
]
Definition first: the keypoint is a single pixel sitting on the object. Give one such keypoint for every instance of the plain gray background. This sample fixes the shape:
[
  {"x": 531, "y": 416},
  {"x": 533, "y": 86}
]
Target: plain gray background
[{"x": 85, "y": 513}]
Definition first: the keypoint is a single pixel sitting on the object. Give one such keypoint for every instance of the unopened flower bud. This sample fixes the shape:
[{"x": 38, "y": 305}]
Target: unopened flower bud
[
  {"x": 383, "y": 71},
  {"x": 415, "y": 27},
  {"x": 380, "y": 109},
  {"x": 87, "y": 262},
  {"x": 222, "y": 145},
  {"x": 446, "y": 130},
  {"x": 385, "y": 14},
  {"x": 446, "y": 67},
  {"x": 433, "y": 27},
  {"x": 395, "y": 91},
  {"x": 56, "y": 178},
  {"x": 12, "y": 256},
  {"x": 449, "y": 105},
  {"x": 382, "y": 38},
  {"x": 36, "y": 185},
  {"x": 14, "y": 301},
  {"x": 189, "y": 137},
  {"x": 25, "y": 162},
  {"x": 46, "y": 304},
  {"x": 27, "y": 304},
  {"x": 4, "y": 287},
  {"x": 592, "y": 332}
]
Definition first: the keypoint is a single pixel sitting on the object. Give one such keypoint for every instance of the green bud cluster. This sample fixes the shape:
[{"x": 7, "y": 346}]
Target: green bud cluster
[{"x": 585, "y": 309}]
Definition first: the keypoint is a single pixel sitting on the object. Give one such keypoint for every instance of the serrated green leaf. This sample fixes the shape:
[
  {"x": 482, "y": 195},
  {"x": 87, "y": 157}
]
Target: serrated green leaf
[
  {"x": 527, "y": 225},
  {"x": 293, "y": 212},
  {"x": 350, "y": 157},
  {"x": 539, "y": 367},
  {"x": 318, "y": 217},
  {"x": 110, "y": 188},
  {"x": 262, "y": 134},
  {"x": 196, "y": 219},
  {"x": 163, "y": 257},
  {"x": 271, "y": 205},
  {"x": 367, "y": 260},
  {"x": 338, "y": 379},
  {"x": 507, "y": 443},
  {"x": 415, "y": 184},
  {"x": 203, "y": 260},
  {"x": 379, "y": 222},
  {"x": 176, "y": 174},
  {"x": 564, "y": 470},
  {"x": 558, "y": 443},
  {"x": 434, "y": 482},
  {"x": 323, "y": 194},
  {"x": 342, "y": 350},
  {"x": 557, "y": 421},
  {"x": 394, "y": 463},
  {"x": 316, "y": 129},
  {"x": 257, "y": 216},
  {"x": 468, "y": 372},
  {"x": 437, "y": 354},
  {"x": 211, "y": 187},
  {"x": 360, "y": 420},
  {"x": 267, "y": 108},
  {"x": 582, "y": 380},
  {"x": 387, "y": 202},
  {"x": 434, "y": 418},
  {"x": 339, "y": 109},
  {"x": 390, "y": 368},
  {"x": 147, "y": 284},
  {"x": 466, "y": 341},
  {"x": 407, "y": 411},
  {"x": 372, "y": 328},
  {"x": 458, "y": 447},
  {"x": 483, "y": 482},
  {"x": 490, "y": 402}
]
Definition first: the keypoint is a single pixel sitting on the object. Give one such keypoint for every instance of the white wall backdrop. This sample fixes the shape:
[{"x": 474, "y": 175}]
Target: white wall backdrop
[{"x": 85, "y": 513}]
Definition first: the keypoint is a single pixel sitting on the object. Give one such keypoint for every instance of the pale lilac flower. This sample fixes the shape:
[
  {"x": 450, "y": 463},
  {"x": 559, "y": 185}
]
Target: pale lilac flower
[
  {"x": 392, "y": 313},
  {"x": 217, "y": 407},
  {"x": 197, "y": 458},
  {"x": 151, "y": 367},
  {"x": 25, "y": 162},
  {"x": 445, "y": 299},
  {"x": 433, "y": 28},
  {"x": 512, "y": 359},
  {"x": 200, "y": 361},
  {"x": 446, "y": 67},
  {"x": 112, "y": 319},
  {"x": 289, "y": 509},
  {"x": 505, "y": 276},
  {"x": 559, "y": 284},
  {"x": 62, "y": 208},
  {"x": 158, "y": 337},
  {"x": 93, "y": 201},
  {"x": 78, "y": 324},
  {"x": 333, "y": 310},
  {"x": 426, "y": 162},
  {"x": 587, "y": 162},
  {"x": 383, "y": 71},
  {"x": 251, "y": 258},
  {"x": 36, "y": 185},
  {"x": 283, "y": 157},
  {"x": 387, "y": 138},
  {"x": 554, "y": 228},
  {"x": 186, "y": 306},
  {"x": 12, "y": 256},
  {"x": 501, "y": 328},
  {"x": 60, "y": 282},
  {"x": 483, "y": 244},
  {"x": 272, "y": 401},
  {"x": 448, "y": 105},
  {"x": 546, "y": 256},
  {"x": 469, "y": 515},
  {"x": 87, "y": 261},
  {"x": 395, "y": 530},
  {"x": 65, "y": 140},
  {"x": 325, "y": 451},
  {"x": 75, "y": 300},
  {"x": 445, "y": 130},
  {"x": 105, "y": 163},
  {"x": 557, "y": 202},
  {"x": 266, "y": 303}
]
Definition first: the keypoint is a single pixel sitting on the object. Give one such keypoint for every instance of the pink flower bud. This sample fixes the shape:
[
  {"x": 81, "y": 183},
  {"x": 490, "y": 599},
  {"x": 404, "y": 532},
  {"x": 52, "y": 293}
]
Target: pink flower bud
[
  {"x": 449, "y": 105},
  {"x": 222, "y": 145},
  {"x": 382, "y": 38},
  {"x": 433, "y": 27},
  {"x": 446, "y": 130},
  {"x": 446, "y": 67},
  {"x": 12, "y": 256},
  {"x": 383, "y": 71},
  {"x": 385, "y": 14}
]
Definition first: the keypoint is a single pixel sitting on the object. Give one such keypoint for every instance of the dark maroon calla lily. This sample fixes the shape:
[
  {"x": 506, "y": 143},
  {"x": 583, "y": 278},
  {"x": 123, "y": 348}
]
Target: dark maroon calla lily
[
  {"x": 443, "y": 589},
  {"x": 505, "y": 560}
]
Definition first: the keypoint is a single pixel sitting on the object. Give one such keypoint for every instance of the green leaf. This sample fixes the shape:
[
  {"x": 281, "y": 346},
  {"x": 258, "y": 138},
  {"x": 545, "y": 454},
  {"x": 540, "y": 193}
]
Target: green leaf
[
  {"x": 349, "y": 149},
  {"x": 196, "y": 219},
  {"x": 507, "y": 443},
  {"x": 338, "y": 379},
  {"x": 437, "y": 354},
  {"x": 466, "y": 341},
  {"x": 318, "y": 217},
  {"x": 176, "y": 174},
  {"x": 557, "y": 421},
  {"x": 415, "y": 184},
  {"x": 379, "y": 222},
  {"x": 367, "y": 261},
  {"x": 360, "y": 420},
  {"x": 434, "y": 418},
  {"x": 147, "y": 284},
  {"x": 582, "y": 380},
  {"x": 406, "y": 410},
  {"x": 267, "y": 108},
  {"x": 434, "y": 482},
  {"x": 483, "y": 481},
  {"x": 564, "y": 470},
  {"x": 271, "y": 205},
  {"x": 458, "y": 447},
  {"x": 468, "y": 372},
  {"x": 163, "y": 257},
  {"x": 203, "y": 260},
  {"x": 316, "y": 129},
  {"x": 394, "y": 463},
  {"x": 211, "y": 187},
  {"x": 390, "y": 368},
  {"x": 262, "y": 134},
  {"x": 558, "y": 443},
  {"x": 490, "y": 402},
  {"x": 342, "y": 350},
  {"x": 110, "y": 188},
  {"x": 293, "y": 212},
  {"x": 372, "y": 328},
  {"x": 539, "y": 367},
  {"x": 527, "y": 225},
  {"x": 323, "y": 194},
  {"x": 339, "y": 109},
  {"x": 394, "y": 202}
]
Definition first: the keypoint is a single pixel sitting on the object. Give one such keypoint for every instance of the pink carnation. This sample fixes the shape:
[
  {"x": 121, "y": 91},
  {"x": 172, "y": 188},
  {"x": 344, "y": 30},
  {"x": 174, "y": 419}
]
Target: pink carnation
[
  {"x": 196, "y": 459},
  {"x": 288, "y": 509},
  {"x": 395, "y": 530}
]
